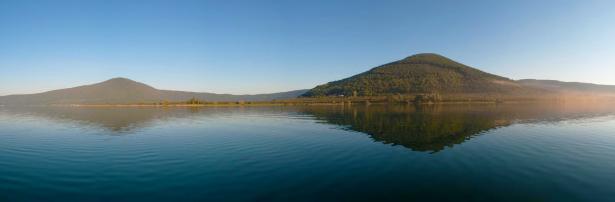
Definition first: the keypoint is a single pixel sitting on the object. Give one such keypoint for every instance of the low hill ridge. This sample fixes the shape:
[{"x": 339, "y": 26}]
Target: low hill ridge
[
  {"x": 569, "y": 87},
  {"x": 125, "y": 91}
]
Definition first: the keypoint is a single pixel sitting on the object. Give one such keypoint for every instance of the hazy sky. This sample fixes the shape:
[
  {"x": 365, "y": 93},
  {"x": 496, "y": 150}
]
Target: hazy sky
[{"x": 268, "y": 46}]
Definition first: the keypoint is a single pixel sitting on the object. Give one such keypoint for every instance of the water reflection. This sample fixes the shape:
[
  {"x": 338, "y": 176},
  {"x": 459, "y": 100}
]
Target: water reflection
[
  {"x": 126, "y": 120},
  {"x": 115, "y": 120},
  {"x": 429, "y": 128},
  {"x": 432, "y": 128}
]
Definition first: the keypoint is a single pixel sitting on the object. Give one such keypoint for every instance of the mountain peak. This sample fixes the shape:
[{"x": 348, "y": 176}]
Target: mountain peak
[
  {"x": 428, "y": 57},
  {"x": 418, "y": 55},
  {"x": 121, "y": 84},
  {"x": 119, "y": 79}
]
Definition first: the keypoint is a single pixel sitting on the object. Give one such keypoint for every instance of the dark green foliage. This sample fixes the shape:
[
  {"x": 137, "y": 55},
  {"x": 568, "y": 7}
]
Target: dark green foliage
[
  {"x": 418, "y": 74},
  {"x": 430, "y": 98},
  {"x": 194, "y": 101}
]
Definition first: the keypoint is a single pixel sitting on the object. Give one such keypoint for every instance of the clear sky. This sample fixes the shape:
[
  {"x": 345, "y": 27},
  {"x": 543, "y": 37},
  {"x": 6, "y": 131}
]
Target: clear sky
[{"x": 268, "y": 46}]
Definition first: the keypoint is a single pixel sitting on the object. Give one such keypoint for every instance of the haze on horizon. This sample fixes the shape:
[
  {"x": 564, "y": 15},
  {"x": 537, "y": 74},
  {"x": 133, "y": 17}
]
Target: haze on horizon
[{"x": 245, "y": 47}]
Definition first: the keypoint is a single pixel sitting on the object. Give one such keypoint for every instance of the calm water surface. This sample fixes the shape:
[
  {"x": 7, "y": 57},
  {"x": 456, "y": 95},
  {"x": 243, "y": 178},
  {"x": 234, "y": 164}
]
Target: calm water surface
[{"x": 507, "y": 152}]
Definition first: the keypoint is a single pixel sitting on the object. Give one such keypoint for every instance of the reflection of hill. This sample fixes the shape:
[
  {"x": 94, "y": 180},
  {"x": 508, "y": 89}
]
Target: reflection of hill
[
  {"x": 116, "y": 120},
  {"x": 434, "y": 128},
  {"x": 127, "y": 119}
]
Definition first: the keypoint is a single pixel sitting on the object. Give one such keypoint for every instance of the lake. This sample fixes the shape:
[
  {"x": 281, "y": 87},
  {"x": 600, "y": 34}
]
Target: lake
[{"x": 462, "y": 152}]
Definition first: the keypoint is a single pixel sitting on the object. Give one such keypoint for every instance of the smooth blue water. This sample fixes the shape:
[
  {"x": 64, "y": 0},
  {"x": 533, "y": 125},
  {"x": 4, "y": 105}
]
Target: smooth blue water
[{"x": 323, "y": 153}]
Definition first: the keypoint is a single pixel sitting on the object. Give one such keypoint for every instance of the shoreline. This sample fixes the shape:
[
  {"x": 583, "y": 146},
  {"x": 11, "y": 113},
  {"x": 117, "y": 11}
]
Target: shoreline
[
  {"x": 347, "y": 103},
  {"x": 339, "y": 101}
]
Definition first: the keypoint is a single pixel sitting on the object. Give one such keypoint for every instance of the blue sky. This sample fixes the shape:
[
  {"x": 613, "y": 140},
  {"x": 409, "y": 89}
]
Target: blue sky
[{"x": 246, "y": 47}]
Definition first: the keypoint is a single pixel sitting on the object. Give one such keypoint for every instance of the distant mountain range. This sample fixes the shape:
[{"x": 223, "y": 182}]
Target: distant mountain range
[
  {"x": 568, "y": 87},
  {"x": 432, "y": 73},
  {"x": 126, "y": 91},
  {"x": 418, "y": 74}
]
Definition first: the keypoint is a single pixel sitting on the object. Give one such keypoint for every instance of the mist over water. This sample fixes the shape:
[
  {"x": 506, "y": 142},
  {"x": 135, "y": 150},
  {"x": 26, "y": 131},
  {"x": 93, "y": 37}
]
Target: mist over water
[{"x": 504, "y": 152}]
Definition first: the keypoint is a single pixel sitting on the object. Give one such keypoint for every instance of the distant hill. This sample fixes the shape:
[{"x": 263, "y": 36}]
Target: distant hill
[
  {"x": 126, "y": 91},
  {"x": 421, "y": 73},
  {"x": 569, "y": 87}
]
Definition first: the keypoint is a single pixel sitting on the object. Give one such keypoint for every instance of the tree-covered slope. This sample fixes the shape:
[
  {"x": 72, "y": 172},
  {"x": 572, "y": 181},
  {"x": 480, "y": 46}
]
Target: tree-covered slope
[{"x": 421, "y": 73}]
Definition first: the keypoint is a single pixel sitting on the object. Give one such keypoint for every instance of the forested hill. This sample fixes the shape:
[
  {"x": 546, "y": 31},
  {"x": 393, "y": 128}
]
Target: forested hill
[{"x": 421, "y": 73}]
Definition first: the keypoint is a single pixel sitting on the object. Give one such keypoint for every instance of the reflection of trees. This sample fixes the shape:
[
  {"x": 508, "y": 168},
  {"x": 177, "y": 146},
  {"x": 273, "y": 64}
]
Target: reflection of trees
[
  {"x": 435, "y": 127},
  {"x": 419, "y": 128}
]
